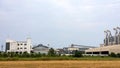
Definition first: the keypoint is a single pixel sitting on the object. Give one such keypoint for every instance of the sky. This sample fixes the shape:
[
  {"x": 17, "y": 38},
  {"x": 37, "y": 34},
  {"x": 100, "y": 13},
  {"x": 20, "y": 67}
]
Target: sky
[{"x": 58, "y": 23}]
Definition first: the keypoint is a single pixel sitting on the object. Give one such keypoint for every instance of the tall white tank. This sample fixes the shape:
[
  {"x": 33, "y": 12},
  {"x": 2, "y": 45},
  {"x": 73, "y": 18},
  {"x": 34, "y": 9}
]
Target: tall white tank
[{"x": 29, "y": 45}]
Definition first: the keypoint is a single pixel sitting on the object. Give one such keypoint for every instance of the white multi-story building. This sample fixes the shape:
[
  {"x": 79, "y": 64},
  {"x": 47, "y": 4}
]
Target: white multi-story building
[{"x": 18, "y": 46}]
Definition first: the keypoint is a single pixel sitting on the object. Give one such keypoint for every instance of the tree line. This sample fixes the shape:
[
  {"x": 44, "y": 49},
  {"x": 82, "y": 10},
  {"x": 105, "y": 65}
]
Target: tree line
[
  {"x": 115, "y": 55},
  {"x": 51, "y": 53}
]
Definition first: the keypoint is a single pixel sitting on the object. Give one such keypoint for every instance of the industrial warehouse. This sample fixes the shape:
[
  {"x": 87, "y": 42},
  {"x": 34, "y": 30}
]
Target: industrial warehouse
[
  {"x": 72, "y": 48},
  {"x": 111, "y": 44}
]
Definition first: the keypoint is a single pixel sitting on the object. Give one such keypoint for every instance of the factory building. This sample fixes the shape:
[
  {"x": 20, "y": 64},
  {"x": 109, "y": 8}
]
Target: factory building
[
  {"x": 40, "y": 49},
  {"x": 18, "y": 46},
  {"x": 73, "y": 47},
  {"x": 111, "y": 44}
]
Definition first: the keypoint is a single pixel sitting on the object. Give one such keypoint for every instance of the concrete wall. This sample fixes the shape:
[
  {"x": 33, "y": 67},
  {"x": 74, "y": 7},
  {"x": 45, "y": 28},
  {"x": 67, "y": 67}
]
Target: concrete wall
[
  {"x": 41, "y": 50},
  {"x": 112, "y": 48},
  {"x": 19, "y": 46}
]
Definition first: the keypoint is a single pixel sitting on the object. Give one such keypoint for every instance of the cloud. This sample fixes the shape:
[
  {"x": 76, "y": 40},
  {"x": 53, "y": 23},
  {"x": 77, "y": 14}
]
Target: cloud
[
  {"x": 65, "y": 4},
  {"x": 84, "y": 5}
]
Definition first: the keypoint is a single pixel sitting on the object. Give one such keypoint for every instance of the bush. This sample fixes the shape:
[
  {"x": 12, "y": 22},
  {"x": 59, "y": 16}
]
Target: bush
[
  {"x": 38, "y": 54},
  {"x": 51, "y": 52},
  {"x": 118, "y": 55},
  {"x": 25, "y": 54},
  {"x": 77, "y": 54},
  {"x": 113, "y": 55}
]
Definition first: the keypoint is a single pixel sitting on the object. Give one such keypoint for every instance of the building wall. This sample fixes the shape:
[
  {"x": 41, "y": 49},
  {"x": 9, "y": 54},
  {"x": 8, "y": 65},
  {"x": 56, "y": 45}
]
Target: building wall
[
  {"x": 73, "y": 48},
  {"x": 112, "y": 48},
  {"x": 19, "y": 46},
  {"x": 41, "y": 50}
]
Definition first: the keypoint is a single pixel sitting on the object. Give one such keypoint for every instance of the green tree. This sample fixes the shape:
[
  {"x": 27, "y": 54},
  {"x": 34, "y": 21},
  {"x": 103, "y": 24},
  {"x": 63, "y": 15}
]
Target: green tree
[
  {"x": 39, "y": 54},
  {"x": 5, "y": 54},
  {"x": 113, "y": 55},
  {"x": 0, "y": 54},
  {"x": 118, "y": 55},
  {"x": 36, "y": 54},
  {"x": 12, "y": 54},
  {"x": 25, "y": 54},
  {"x": 51, "y": 52},
  {"x": 77, "y": 54}
]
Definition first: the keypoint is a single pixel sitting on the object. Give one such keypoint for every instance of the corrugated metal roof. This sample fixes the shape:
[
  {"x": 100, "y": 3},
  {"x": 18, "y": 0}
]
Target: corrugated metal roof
[{"x": 40, "y": 45}]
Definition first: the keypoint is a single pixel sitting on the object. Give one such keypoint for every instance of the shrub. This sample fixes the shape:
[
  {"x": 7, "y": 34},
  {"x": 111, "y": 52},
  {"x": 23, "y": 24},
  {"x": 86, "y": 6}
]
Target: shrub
[
  {"x": 113, "y": 55},
  {"x": 51, "y": 52},
  {"x": 77, "y": 54},
  {"x": 118, "y": 55}
]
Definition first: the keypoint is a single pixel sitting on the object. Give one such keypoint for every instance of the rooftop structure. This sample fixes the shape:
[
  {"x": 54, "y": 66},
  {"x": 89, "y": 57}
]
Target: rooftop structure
[{"x": 110, "y": 39}]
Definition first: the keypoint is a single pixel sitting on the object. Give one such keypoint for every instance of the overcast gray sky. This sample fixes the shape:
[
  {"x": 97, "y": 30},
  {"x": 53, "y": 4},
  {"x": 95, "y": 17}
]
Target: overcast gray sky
[{"x": 58, "y": 22}]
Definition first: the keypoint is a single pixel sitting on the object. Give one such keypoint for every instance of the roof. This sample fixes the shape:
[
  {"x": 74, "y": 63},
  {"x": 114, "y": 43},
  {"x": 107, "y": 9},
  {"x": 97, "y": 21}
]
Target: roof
[
  {"x": 80, "y": 46},
  {"x": 40, "y": 45},
  {"x": 83, "y": 46}
]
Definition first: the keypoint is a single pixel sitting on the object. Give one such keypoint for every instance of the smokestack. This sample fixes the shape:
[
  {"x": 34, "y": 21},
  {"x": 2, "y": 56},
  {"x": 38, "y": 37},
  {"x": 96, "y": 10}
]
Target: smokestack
[
  {"x": 118, "y": 35},
  {"x": 109, "y": 37},
  {"x": 106, "y": 38}
]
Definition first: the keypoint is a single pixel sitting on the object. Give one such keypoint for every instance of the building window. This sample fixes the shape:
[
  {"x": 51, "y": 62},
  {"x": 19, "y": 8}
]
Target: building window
[
  {"x": 21, "y": 43},
  {"x": 25, "y": 44},
  {"x": 21, "y": 48},
  {"x": 7, "y": 46},
  {"x": 18, "y": 48},
  {"x": 18, "y": 44},
  {"x": 25, "y": 48}
]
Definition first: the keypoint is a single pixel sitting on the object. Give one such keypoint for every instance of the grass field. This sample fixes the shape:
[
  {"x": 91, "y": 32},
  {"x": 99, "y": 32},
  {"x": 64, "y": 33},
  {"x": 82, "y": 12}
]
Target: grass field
[
  {"x": 59, "y": 58},
  {"x": 60, "y": 64}
]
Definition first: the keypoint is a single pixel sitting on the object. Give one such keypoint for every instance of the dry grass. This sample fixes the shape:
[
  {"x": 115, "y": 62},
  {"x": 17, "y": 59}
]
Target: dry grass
[{"x": 60, "y": 64}]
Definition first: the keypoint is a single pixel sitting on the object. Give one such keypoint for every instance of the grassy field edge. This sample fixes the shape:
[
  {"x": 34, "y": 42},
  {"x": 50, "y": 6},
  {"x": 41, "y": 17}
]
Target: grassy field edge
[{"x": 57, "y": 58}]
